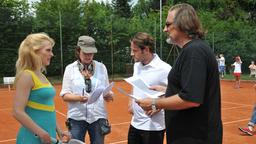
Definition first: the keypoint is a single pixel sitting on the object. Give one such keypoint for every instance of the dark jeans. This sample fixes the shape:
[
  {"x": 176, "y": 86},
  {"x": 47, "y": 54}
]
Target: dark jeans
[
  {"x": 188, "y": 141},
  {"x": 79, "y": 129},
  {"x": 136, "y": 136}
]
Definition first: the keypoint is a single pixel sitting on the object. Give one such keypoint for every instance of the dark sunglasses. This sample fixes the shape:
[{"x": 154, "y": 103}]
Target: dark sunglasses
[
  {"x": 168, "y": 24},
  {"x": 88, "y": 84}
]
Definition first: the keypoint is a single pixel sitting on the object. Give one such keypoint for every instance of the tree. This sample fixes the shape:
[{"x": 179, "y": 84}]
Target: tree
[
  {"x": 15, "y": 24},
  {"x": 122, "y": 8},
  {"x": 48, "y": 16},
  {"x": 155, "y": 4}
]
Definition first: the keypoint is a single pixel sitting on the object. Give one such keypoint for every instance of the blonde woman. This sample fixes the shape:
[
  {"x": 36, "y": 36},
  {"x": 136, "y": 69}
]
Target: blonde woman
[{"x": 33, "y": 104}]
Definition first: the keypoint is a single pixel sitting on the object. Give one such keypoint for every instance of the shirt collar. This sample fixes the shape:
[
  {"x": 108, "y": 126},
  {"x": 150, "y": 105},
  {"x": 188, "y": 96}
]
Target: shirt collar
[{"x": 153, "y": 62}]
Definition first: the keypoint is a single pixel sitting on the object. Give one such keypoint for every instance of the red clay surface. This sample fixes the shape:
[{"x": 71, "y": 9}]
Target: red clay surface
[{"x": 237, "y": 106}]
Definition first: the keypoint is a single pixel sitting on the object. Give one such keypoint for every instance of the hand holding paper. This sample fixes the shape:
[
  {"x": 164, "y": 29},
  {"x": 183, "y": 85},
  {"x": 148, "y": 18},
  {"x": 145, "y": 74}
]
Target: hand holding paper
[
  {"x": 108, "y": 89},
  {"x": 106, "y": 92},
  {"x": 141, "y": 85},
  {"x": 126, "y": 94},
  {"x": 95, "y": 95}
]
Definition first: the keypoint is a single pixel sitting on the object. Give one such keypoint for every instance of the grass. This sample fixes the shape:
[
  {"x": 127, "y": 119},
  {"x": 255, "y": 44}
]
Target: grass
[
  {"x": 243, "y": 77},
  {"x": 58, "y": 79}
]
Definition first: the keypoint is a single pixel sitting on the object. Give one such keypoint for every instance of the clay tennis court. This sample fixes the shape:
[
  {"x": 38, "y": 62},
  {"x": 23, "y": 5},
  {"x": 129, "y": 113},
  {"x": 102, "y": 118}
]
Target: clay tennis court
[{"x": 237, "y": 105}]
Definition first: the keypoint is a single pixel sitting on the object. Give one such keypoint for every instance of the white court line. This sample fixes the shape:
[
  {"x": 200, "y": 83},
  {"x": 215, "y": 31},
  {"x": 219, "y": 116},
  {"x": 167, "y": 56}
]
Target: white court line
[
  {"x": 236, "y": 103},
  {"x": 124, "y": 141},
  {"x": 116, "y": 124},
  {"x": 61, "y": 113},
  {"x": 234, "y": 107},
  {"x": 4, "y": 109},
  {"x": 8, "y": 140},
  {"x": 236, "y": 121}
]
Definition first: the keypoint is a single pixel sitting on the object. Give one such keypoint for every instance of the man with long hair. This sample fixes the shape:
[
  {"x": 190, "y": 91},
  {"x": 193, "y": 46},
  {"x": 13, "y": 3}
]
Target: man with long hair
[{"x": 192, "y": 100}]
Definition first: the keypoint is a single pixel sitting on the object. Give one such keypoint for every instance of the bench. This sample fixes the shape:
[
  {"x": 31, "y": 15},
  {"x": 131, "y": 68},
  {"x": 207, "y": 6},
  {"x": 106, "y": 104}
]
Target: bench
[{"x": 8, "y": 81}]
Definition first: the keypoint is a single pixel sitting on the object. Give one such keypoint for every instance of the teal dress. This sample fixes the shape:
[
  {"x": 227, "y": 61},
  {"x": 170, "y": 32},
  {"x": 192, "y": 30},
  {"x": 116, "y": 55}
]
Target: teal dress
[{"x": 40, "y": 108}]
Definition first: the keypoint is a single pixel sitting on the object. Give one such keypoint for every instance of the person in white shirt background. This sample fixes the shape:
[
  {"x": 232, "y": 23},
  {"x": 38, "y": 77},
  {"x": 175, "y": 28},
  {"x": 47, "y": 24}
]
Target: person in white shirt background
[
  {"x": 80, "y": 79},
  {"x": 222, "y": 65},
  {"x": 146, "y": 128},
  {"x": 237, "y": 71},
  {"x": 252, "y": 68}
]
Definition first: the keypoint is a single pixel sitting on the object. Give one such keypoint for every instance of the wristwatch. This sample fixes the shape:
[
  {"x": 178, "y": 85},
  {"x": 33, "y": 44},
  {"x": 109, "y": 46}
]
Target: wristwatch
[{"x": 153, "y": 104}]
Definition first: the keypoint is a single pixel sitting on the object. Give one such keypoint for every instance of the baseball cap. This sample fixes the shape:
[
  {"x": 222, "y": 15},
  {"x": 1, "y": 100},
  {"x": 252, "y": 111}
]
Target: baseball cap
[{"x": 87, "y": 44}]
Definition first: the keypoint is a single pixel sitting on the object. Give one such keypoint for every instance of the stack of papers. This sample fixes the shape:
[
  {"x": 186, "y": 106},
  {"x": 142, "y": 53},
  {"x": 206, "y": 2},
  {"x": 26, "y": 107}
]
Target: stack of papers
[
  {"x": 98, "y": 92},
  {"x": 137, "y": 82}
]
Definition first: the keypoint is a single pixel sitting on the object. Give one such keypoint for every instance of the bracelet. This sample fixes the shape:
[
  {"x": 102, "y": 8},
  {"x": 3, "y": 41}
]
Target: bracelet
[{"x": 153, "y": 104}]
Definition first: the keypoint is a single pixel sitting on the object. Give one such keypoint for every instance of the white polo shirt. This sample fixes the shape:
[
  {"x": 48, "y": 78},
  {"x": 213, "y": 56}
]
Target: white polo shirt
[
  {"x": 237, "y": 68},
  {"x": 73, "y": 82},
  {"x": 222, "y": 61},
  {"x": 154, "y": 73}
]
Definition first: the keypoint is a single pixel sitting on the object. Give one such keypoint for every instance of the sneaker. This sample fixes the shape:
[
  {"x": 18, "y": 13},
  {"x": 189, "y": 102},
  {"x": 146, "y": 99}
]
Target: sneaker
[{"x": 246, "y": 131}]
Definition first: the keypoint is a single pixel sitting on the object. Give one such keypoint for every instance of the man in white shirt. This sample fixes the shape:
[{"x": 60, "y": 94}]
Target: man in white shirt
[
  {"x": 146, "y": 128},
  {"x": 222, "y": 65}
]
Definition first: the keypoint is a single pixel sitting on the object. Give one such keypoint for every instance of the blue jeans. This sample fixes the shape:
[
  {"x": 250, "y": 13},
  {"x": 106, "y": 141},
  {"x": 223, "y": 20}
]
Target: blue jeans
[
  {"x": 253, "y": 118},
  {"x": 79, "y": 129}
]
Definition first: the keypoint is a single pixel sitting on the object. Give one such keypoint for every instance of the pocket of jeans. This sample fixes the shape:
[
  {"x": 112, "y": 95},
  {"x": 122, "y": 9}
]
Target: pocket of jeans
[{"x": 105, "y": 126}]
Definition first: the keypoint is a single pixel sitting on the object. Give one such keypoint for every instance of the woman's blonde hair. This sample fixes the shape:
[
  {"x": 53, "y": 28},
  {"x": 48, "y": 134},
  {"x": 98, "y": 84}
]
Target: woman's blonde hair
[{"x": 28, "y": 58}]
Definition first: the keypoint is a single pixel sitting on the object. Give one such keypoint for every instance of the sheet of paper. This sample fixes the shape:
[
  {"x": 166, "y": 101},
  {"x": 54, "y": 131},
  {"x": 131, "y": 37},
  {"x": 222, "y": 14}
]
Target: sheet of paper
[
  {"x": 95, "y": 95},
  {"x": 126, "y": 94},
  {"x": 108, "y": 89},
  {"x": 141, "y": 85}
]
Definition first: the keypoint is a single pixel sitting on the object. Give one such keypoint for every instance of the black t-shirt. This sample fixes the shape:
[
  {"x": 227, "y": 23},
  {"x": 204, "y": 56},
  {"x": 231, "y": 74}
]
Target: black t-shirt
[{"x": 195, "y": 78}]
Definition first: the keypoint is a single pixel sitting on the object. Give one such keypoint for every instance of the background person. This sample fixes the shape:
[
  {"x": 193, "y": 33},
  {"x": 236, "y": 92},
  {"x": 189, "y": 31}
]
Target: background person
[
  {"x": 33, "y": 103},
  {"x": 80, "y": 79},
  {"x": 249, "y": 130},
  {"x": 252, "y": 68},
  {"x": 222, "y": 65},
  {"x": 237, "y": 71}
]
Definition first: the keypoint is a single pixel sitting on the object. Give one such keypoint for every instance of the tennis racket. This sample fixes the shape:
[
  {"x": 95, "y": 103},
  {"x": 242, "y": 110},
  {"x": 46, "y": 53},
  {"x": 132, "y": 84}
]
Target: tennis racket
[{"x": 71, "y": 141}]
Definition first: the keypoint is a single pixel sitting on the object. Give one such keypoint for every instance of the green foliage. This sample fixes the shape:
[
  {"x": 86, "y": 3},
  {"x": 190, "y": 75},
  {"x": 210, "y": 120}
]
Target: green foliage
[
  {"x": 121, "y": 8},
  {"x": 15, "y": 22},
  {"x": 230, "y": 27}
]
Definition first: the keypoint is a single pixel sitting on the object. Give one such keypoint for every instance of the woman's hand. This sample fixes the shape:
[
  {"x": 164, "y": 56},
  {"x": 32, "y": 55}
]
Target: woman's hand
[
  {"x": 83, "y": 99},
  {"x": 65, "y": 136},
  {"x": 109, "y": 96},
  {"x": 45, "y": 138}
]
